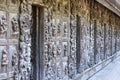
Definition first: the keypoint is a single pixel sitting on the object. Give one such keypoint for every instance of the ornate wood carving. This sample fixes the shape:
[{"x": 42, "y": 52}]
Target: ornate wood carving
[
  {"x": 25, "y": 41},
  {"x": 4, "y": 60},
  {"x": 15, "y": 27},
  {"x": 3, "y": 25}
]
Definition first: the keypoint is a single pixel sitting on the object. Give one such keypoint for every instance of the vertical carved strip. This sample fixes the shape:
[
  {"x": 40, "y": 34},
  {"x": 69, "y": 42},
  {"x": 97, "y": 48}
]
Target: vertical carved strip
[
  {"x": 72, "y": 57},
  {"x": 52, "y": 49},
  {"x": 91, "y": 48},
  {"x": 25, "y": 41}
]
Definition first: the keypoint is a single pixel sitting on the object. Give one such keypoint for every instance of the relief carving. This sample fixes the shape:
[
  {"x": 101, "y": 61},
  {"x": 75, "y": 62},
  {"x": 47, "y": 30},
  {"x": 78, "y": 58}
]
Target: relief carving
[
  {"x": 65, "y": 30},
  {"x": 65, "y": 49},
  {"x": 54, "y": 31},
  {"x": 15, "y": 27},
  {"x": 59, "y": 29},
  {"x": 4, "y": 61},
  {"x": 15, "y": 64},
  {"x": 58, "y": 50},
  {"x": 3, "y": 25},
  {"x": 24, "y": 6},
  {"x": 71, "y": 58},
  {"x": 59, "y": 71},
  {"x": 71, "y": 69},
  {"x": 25, "y": 56},
  {"x": 25, "y": 41}
]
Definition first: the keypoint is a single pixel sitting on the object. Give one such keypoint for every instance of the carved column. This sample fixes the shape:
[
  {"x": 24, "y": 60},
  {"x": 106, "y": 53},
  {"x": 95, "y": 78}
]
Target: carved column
[{"x": 25, "y": 41}]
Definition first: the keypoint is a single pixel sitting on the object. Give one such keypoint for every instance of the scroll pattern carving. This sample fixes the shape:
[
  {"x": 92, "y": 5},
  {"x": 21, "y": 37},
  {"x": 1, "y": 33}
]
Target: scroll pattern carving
[{"x": 25, "y": 41}]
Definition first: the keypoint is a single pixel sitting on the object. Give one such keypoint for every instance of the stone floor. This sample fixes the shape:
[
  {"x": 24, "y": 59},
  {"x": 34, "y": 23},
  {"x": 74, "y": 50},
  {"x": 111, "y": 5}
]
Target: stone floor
[{"x": 110, "y": 72}]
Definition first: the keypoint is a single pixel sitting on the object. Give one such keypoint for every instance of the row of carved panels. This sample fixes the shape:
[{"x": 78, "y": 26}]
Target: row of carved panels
[
  {"x": 9, "y": 27},
  {"x": 56, "y": 50},
  {"x": 8, "y": 58},
  {"x": 86, "y": 48},
  {"x": 55, "y": 29}
]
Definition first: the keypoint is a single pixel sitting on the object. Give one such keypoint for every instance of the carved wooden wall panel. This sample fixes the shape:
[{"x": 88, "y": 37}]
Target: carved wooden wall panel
[
  {"x": 56, "y": 44},
  {"x": 84, "y": 47},
  {"x": 8, "y": 44},
  {"x": 9, "y": 54},
  {"x": 60, "y": 24},
  {"x": 98, "y": 42},
  {"x": 107, "y": 41},
  {"x": 91, "y": 43},
  {"x": 118, "y": 37},
  {"x": 98, "y": 39},
  {"x": 113, "y": 39}
]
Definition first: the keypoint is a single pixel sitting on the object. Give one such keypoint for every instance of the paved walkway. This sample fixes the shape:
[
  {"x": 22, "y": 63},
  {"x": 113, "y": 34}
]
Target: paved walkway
[{"x": 110, "y": 72}]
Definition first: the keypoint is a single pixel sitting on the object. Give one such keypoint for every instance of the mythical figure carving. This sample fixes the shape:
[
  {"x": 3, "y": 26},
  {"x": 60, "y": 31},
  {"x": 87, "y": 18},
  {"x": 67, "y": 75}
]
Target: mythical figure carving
[{"x": 3, "y": 25}]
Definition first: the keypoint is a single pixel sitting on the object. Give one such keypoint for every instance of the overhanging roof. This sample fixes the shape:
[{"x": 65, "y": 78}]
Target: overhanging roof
[{"x": 113, "y": 5}]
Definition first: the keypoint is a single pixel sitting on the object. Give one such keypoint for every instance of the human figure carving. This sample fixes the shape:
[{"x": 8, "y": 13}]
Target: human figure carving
[
  {"x": 14, "y": 26},
  {"x": 3, "y": 25},
  {"x": 4, "y": 58}
]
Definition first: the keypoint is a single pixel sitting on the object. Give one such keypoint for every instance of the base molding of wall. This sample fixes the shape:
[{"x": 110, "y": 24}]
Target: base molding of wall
[{"x": 93, "y": 70}]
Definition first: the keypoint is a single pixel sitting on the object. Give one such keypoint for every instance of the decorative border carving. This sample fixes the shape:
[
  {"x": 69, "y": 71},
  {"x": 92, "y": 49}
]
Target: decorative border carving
[{"x": 25, "y": 41}]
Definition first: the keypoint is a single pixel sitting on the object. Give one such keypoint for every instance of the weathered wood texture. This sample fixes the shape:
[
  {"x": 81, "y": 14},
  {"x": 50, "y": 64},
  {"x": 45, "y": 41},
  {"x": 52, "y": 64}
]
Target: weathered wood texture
[
  {"x": 9, "y": 38},
  {"x": 77, "y": 34}
]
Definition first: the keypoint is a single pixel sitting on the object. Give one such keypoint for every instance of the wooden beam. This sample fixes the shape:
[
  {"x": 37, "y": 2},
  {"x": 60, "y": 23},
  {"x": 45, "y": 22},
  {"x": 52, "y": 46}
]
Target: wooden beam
[{"x": 110, "y": 6}]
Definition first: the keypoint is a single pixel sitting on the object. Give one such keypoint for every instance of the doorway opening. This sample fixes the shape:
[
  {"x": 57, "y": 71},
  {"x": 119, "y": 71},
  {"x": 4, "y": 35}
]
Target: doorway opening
[{"x": 37, "y": 33}]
